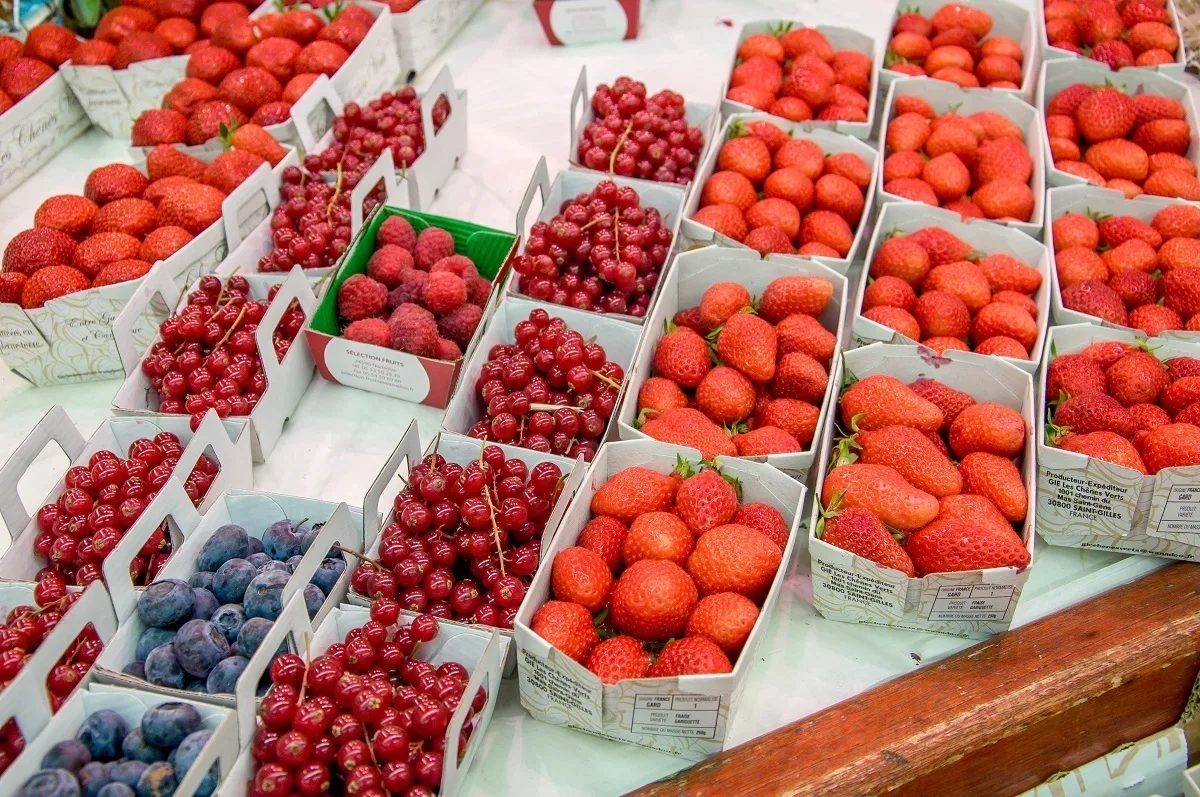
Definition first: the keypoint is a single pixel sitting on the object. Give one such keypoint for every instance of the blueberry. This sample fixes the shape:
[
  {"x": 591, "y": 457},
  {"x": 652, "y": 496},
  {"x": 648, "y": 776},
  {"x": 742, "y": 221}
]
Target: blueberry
[
  {"x": 223, "y": 678},
  {"x": 327, "y": 574},
  {"x": 128, "y": 772},
  {"x": 255, "y": 546},
  {"x": 134, "y": 746},
  {"x": 150, "y": 639},
  {"x": 186, "y": 754},
  {"x": 166, "y": 603},
  {"x": 102, "y": 733},
  {"x": 294, "y": 562},
  {"x": 228, "y": 542},
  {"x": 231, "y": 579},
  {"x": 281, "y": 540},
  {"x": 92, "y": 778},
  {"x": 157, "y": 781},
  {"x": 50, "y": 783},
  {"x": 258, "y": 559},
  {"x": 199, "y": 645},
  {"x": 70, "y": 755},
  {"x": 252, "y": 634},
  {"x": 313, "y": 599},
  {"x": 229, "y": 619},
  {"x": 168, "y": 724},
  {"x": 274, "y": 567},
  {"x": 162, "y": 668},
  {"x": 202, "y": 579},
  {"x": 117, "y": 790},
  {"x": 264, "y": 596}
]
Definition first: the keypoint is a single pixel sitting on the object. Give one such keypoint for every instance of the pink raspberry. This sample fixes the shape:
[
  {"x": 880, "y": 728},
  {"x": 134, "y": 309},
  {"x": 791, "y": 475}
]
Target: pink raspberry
[
  {"x": 361, "y": 297},
  {"x": 369, "y": 330},
  {"x": 414, "y": 330},
  {"x": 396, "y": 231},
  {"x": 432, "y": 245},
  {"x": 443, "y": 292},
  {"x": 388, "y": 263}
]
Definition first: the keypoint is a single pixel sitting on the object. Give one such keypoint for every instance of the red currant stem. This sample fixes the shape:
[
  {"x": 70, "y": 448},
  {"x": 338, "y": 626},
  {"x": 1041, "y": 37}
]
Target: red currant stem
[
  {"x": 317, "y": 285},
  {"x": 553, "y": 407},
  {"x": 241, "y": 314},
  {"x": 51, "y": 605},
  {"x": 606, "y": 380},
  {"x": 487, "y": 496},
  {"x": 612, "y": 159},
  {"x": 371, "y": 750},
  {"x": 360, "y": 556},
  {"x": 304, "y": 680},
  {"x": 337, "y": 192},
  {"x": 590, "y": 223}
]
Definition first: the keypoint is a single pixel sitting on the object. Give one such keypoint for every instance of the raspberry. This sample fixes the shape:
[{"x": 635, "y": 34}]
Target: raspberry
[
  {"x": 444, "y": 292},
  {"x": 373, "y": 331},
  {"x": 447, "y": 350},
  {"x": 361, "y": 297},
  {"x": 459, "y": 325},
  {"x": 478, "y": 291},
  {"x": 413, "y": 330},
  {"x": 412, "y": 285},
  {"x": 388, "y": 263},
  {"x": 397, "y": 232},
  {"x": 459, "y": 265},
  {"x": 432, "y": 245}
]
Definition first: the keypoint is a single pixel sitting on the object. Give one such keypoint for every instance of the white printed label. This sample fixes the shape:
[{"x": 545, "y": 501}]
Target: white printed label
[
  {"x": 1181, "y": 513},
  {"x": 546, "y": 689},
  {"x": 855, "y": 587},
  {"x": 393, "y": 373},
  {"x": 972, "y": 602},
  {"x": 676, "y": 715}
]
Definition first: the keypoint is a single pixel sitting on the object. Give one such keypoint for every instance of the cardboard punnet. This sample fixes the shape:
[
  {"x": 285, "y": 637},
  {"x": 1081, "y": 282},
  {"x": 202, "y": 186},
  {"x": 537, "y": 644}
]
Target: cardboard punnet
[
  {"x": 568, "y": 22},
  {"x": 1090, "y": 199},
  {"x": 695, "y": 272},
  {"x": 479, "y": 651},
  {"x": 36, "y": 128},
  {"x": 974, "y": 603},
  {"x": 687, "y": 715},
  {"x": 1057, "y": 75},
  {"x": 254, "y": 511},
  {"x": 394, "y": 373},
  {"x": 461, "y": 450},
  {"x": 424, "y": 30},
  {"x": 666, "y": 198},
  {"x": 948, "y": 98},
  {"x": 830, "y": 141},
  {"x": 225, "y": 441},
  {"x": 618, "y": 338},
  {"x": 71, "y": 339},
  {"x": 1083, "y": 502},
  {"x": 1008, "y": 19},
  {"x": 985, "y": 236},
  {"x": 114, "y": 98},
  {"x": 839, "y": 38},
  {"x": 286, "y": 380},
  {"x": 220, "y": 751},
  {"x": 1175, "y": 69},
  {"x": 697, "y": 114}
]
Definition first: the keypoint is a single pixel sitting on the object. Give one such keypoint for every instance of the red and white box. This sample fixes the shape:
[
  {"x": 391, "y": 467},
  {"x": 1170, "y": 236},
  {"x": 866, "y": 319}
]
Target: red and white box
[
  {"x": 569, "y": 22},
  {"x": 425, "y": 29}
]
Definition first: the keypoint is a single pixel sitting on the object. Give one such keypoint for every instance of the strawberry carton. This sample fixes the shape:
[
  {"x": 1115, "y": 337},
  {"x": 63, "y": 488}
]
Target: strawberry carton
[
  {"x": 113, "y": 98},
  {"x": 854, "y": 57},
  {"x": 689, "y": 281},
  {"x": 275, "y": 346},
  {"x": 423, "y": 29},
  {"x": 786, "y": 161},
  {"x": 1118, "y": 462},
  {"x": 860, "y": 573},
  {"x": 254, "y": 512},
  {"x": 572, "y": 22},
  {"x": 1144, "y": 37},
  {"x": 1000, "y": 138},
  {"x": 1119, "y": 126},
  {"x": 682, "y": 710},
  {"x": 1000, "y": 266}
]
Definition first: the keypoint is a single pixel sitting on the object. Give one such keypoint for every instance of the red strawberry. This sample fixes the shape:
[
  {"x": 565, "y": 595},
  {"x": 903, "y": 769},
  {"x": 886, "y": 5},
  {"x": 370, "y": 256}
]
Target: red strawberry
[
  {"x": 567, "y": 627},
  {"x": 862, "y": 534},
  {"x": 1172, "y": 446},
  {"x": 682, "y": 356},
  {"x": 786, "y": 296},
  {"x": 30, "y": 250},
  {"x": 617, "y": 659},
  {"x": 951, "y": 545},
  {"x": 634, "y": 491},
  {"x": 51, "y": 43},
  {"x": 1094, "y": 412},
  {"x": 49, "y": 283},
  {"x": 321, "y": 57},
  {"x": 765, "y": 440},
  {"x": 653, "y": 599},
  {"x": 21, "y": 76},
  {"x": 166, "y": 161},
  {"x": 209, "y": 117},
  {"x": 706, "y": 499},
  {"x": 1074, "y": 375},
  {"x": 159, "y": 126},
  {"x": 746, "y": 155},
  {"x": 748, "y": 343},
  {"x": 193, "y": 208},
  {"x": 691, "y": 428},
  {"x": 188, "y": 93},
  {"x": 250, "y": 88},
  {"x": 882, "y": 491},
  {"x": 691, "y": 655}
]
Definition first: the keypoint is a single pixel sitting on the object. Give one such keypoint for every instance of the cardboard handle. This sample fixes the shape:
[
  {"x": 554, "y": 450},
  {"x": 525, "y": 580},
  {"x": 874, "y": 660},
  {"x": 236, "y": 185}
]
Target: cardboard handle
[
  {"x": 293, "y": 622},
  {"x": 488, "y": 667},
  {"x": 222, "y": 749},
  {"x": 56, "y": 427},
  {"x": 409, "y": 448},
  {"x": 539, "y": 182},
  {"x": 294, "y": 287},
  {"x": 156, "y": 283},
  {"x": 264, "y": 180},
  {"x": 320, "y": 92},
  {"x": 339, "y": 529},
  {"x": 574, "y": 480},
  {"x": 578, "y": 101},
  {"x": 383, "y": 170},
  {"x": 442, "y": 84}
]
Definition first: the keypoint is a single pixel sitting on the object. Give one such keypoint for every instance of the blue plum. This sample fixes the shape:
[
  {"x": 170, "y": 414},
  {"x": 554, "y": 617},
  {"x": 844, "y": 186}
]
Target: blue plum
[
  {"x": 281, "y": 540},
  {"x": 255, "y": 546},
  {"x": 223, "y": 678},
  {"x": 258, "y": 559},
  {"x": 50, "y": 783},
  {"x": 253, "y": 632},
  {"x": 135, "y": 668},
  {"x": 117, "y": 790},
  {"x": 157, "y": 781},
  {"x": 206, "y": 604},
  {"x": 313, "y": 599},
  {"x": 199, "y": 645},
  {"x": 231, "y": 579},
  {"x": 102, "y": 733},
  {"x": 168, "y": 724},
  {"x": 264, "y": 596},
  {"x": 327, "y": 574},
  {"x": 186, "y": 754},
  {"x": 274, "y": 567},
  {"x": 229, "y": 619},
  {"x": 228, "y": 542},
  {"x": 162, "y": 668},
  {"x": 128, "y": 772},
  {"x": 166, "y": 603},
  {"x": 134, "y": 746},
  {"x": 196, "y": 686},
  {"x": 150, "y": 639},
  {"x": 294, "y": 562},
  {"x": 92, "y": 778},
  {"x": 70, "y": 755},
  {"x": 202, "y": 579}
]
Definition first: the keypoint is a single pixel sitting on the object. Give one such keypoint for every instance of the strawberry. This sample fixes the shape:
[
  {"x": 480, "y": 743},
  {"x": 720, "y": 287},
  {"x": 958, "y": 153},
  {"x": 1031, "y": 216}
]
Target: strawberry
[
  {"x": 94, "y": 53},
  {"x": 1164, "y": 135},
  {"x": 947, "y": 176},
  {"x": 166, "y": 161},
  {"x": 1105, "y": 446},
  {"x": 30, "y": 250},
  {"x": 102, "y": 248},
  {"x": 1179, "y": 367},
  {"x": 1114, "y": 53},
  {"x": 729, "y": 188},
  {"x": 658, "y": 535},
  {"x": 748, "y": 343},
  {"x": 951, "y": 545},
  {"x": 121, "y": 271},
  {"x": 963, "y": 279},
  {"x": 178, "y": 33},
  {"x": 800, "y": 41},
  {"x": 1074, "y": 375},
  {"x": 1079, "y": 264},
  {"x": 725, "y": 219},
  {"x": 155, "y": 127},
  {"x": 706, "y": 499},
  {"x": 691, "y": 655},
  {"x": 758, "y": 70},
  {"x": 51, "y": 43},
  {"x": 1005, "y": 198},
  {"x": 889, "y": 291},
  {"x": 652, "y": 600},
  {"x": 1134, "y": 255},
  {"x": 907, "y": 132},
  {"x": 942, "y": 246},
  {"x": 1016, "y": 299},
  {"x": 1068, "y": 100},
  {"x": 1152, "y": 319},
  {"x": 1152, "y": 35},
  {"x": 896, "y": 319},
  {"x": 682, "y": 356},
  {"x": 617, "y": 659},
  {"x": 734, "y": 558},
  {"x": 320, "y": 57},
  {"x": 828, "y": 228},
  {"x": 691, "y": 428},
  {"x": 901, "y": 165},
  {"x": 114, "y": 181},
  {"x": 901, "y": 257},
  {"x": 746, "y": 155},
  {"x": 1181, "y": 393},
  {"x": 789, "y": 183},
  {"x": 212, "y": 64},
  {"x": 51, "y": 282},
  {"x": 850, "y": 166},
  {"x": 1007, "y": 320},
  {"x": 975, "y": 509},
  {"x": 882, "y": 491},
  {"x": 795, "y": 417},
  {"x": 1092, "y": 297},
  {"x": 912, "y": 190},
  {"x": 230, "y": 169},
  {"x": 765, "y": 440},
  {"x": 1172, "y": 446},
  {"x": 803, "y": 333},
  {"x": 862, "y": 534},
  {"x": 1105, "y": 113},
  {"x": 249, "y": 88},
  {"x": 658, "y": 394},
  {"x": 581, "y": 576},
  {"x": 209, "y": 117},
  {"x": 786, "y": 296},
  {"x": 1149, "y": 107},
  {"x": 1180, "y": 288},
  {"x": 632, "y": 492},
  {"x": 957, "y": 139},
  {"x": 254, "y": 139},
  {"x": 276, "y": 55},
  {"x": 880, "y": 400},
  {"x": 942, "y": 314},
  {"x": 799, "y": 376},
  {"x": 1171, "y": 182},
  {"x": 1179, "y": 253},
  {"x": 135, "y": 217},
  {"x": 67, "y": 213},
  {"x": 605, "y": 536},
  {"x": 1116, "y": 230},
  {"x": 141, "y": 46},
  {"x": 567, "y": 627},
  {"x": 998, "y": 480},
  {"x": 811, "y": 83},
  {"x": 1106, "y": 352},
  {"x": 951, "y": 402},
  {"x": 1137, "y": 378},
  {"x": 910, "y": 103},
  {"x": 791, "y": 108},
  {"x": 912, "y": 455},
  {"x": 1177, "y": 221},
  {"x": 802, "y": 153},
  {"x": 12, "y": 283},
  {"x": 773, "y": 212},
  {"x": 1170, "y": 160},
  {"x": 187, "y": 94},
  {"x": 761, "y": 44},
  {"x": 725, "y": 396},
  {"x": 118, "y": 23},
  {"x": 273, "y": 113},
  {"x": 1094, "y": 412},
  {"x": 193, "y": 208},
  {"x": 988, "y": 427},
  {"x": 1118, "y": 158},
  {"x": 726, "y": 618},
  {"x": 1003, "y": 157}
]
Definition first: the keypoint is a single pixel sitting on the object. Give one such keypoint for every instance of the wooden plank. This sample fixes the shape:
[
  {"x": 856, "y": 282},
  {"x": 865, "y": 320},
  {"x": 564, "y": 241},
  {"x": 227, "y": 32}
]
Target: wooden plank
[{"x": 995, "y": 719}]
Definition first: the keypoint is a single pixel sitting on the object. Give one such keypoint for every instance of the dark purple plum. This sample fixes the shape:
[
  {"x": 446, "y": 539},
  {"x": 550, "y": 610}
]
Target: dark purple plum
[
  {"x": 102, "y": 733},
  {"x": 223, "y": 678},
  {"x": 162, "y": 668},
  {"x": 157, "y": 781},
  {"x": 70, "y": 755},
  {"x": 166, "y": 603},
  {"x": 229, "y": 619},
  {"x": 327, "y": 574},
  {"x": 202, "y": 579},
  {"x": 252, "y": 634},
  {"x": 50, "y": 783},
  {"x": 227, "y": 542},
  {"x": 231, "y": 579},
  {"x": 134, "y": 746},
  {"x": 150, "y": 639},
  {"x": 281, "y": 540},
  {"x": 264, "y": 596},
  {"x": 199, "y": 645},
  {"x": 168, "y": 724}
]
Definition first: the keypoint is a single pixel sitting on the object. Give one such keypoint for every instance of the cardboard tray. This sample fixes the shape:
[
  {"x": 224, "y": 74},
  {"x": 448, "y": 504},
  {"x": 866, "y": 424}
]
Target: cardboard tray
[
  {"x": 36, "y": 129},
  {"x": 830, "y": 141},
  {"x": 986, "y": 236},
  {"x": 695, "y": 272},
  {"x": 1174, "y": 70},
  {"x": 424, "y": 30},
  {"x": 114, "y": 98},
  {"x": 974, "y": 603},
  {"x": 1083, "y": 502},
  {"x": 686, "y": 715}
]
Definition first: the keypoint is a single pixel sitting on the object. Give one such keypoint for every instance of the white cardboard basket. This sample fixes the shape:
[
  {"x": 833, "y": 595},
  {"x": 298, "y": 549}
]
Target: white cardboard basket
[
  {"x": 425, "y": 29},
  {"x": 1174, "y": 70},
  {"x": 36, "y": 129}
]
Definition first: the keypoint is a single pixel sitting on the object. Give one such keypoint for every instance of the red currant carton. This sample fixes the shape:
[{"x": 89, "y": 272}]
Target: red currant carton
[
  {"x": 254, "y": 511},
  {"x": 398, "y": 374},
  {"x": 463, "y": 451},
  {"x": 476, "y": 650},
  {"x": 686, "y": 715},
  {"x": 695, "y": 272},
  {"x": 568, "y": 22},
  {"x": 574, "y": 184},
  {"x": 221, "y": 749},
  {"x": 831, "y": 143},
  {"x": 286, "y": 378},
  {"x": 425, "y": 28},
  {"x": 902, "y": 218},
  {"x": 1174, "y": 69},
  {"x": 840, "y": 38},
  {"x": 224, "y": 446}
]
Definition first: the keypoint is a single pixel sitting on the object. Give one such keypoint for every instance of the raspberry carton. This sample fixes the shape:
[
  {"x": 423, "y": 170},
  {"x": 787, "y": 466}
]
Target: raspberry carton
[
  {"x": 425, "y": 29},
  {"x": 693, "y": 273},
  {"x": 971, "y": 603},
  {"x": 684, "y": 715},
  {"x": 1174, "y": 68},
  {"x": 424, "y": 380},
  {"x": 568, "y": 22},
  {"x": 1085, "y": 501},
  {"x": 898, "y": 219}
]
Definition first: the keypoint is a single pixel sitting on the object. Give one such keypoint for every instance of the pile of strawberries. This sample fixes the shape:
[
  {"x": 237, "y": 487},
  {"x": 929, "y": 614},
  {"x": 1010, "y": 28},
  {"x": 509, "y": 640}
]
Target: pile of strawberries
[
  {"x": 124, "y": 222},
  {"x": 24, "y": 67},
  {"x": 251, "y": 70},
  {"x": 977, "y": 165},
  {"x": 416, "y": 296},
  {"x": 674, "y": 558},
  {"x": 936, "y": 289},
  {"x": 1130, "y": 273},
  {"x": 1119, "y": 403},
  {"x": 764, "y": 394},
  {"x": 797, "y": 75},
  {"x": 1119, "y": 33},
  {"x": 953, "y": 44},
  {"x": 895, "y": 474},
  {"x": 775, "y": 193},
  {"x": 1133, "y": 144}
]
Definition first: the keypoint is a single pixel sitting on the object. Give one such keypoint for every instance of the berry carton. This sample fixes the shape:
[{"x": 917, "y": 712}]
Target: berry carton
[
  {"x": 114, "y": 98},
  {"x": 985, "y": 238},
  {"x": 1174, "y": 68},
  {"x": 286, "y": 380},
  {"x": 972, "y": 603},
  {"x": 384, "y": 370},
  {"x": 568, "y": 22},
  {"x": 694, "y": 273},
  {"x": 254, "y": 511},
  {"x": 1084, "y": 501},
  {"x": 684, "y": 715},
  {"x": 424, "y": 29}
]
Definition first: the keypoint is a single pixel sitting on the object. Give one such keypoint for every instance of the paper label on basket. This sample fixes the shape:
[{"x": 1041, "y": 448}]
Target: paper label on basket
[
  {"x": 393, "y": 373},
  {"x": 553, "y": 695},
  {"x": 1096, "y": 499},
  {"x": 972, "y": 602},
  {"x": 1175, "y": 506},
  {"x": 854, "y": 587},
  {"x": 676, "y": 715}
]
